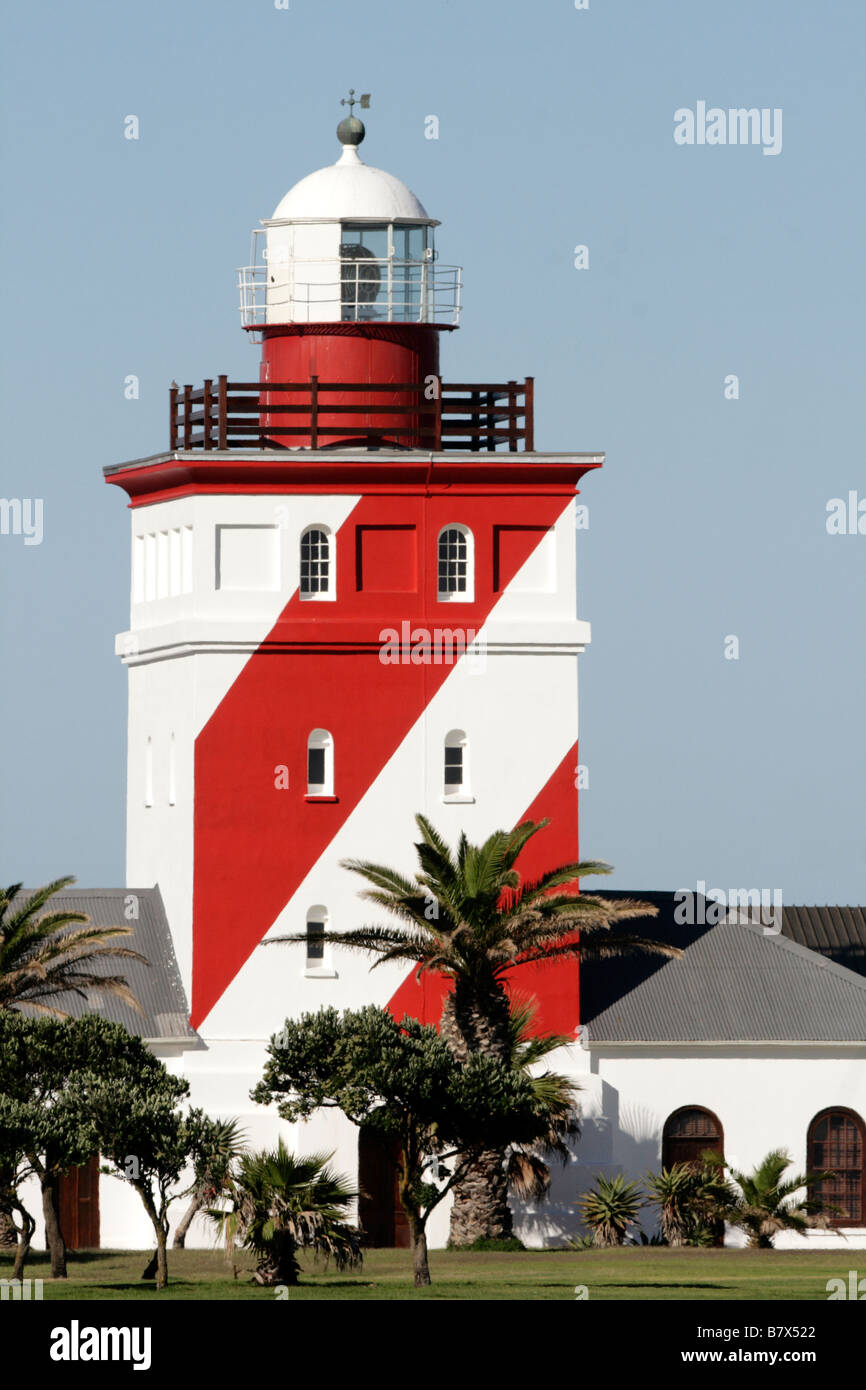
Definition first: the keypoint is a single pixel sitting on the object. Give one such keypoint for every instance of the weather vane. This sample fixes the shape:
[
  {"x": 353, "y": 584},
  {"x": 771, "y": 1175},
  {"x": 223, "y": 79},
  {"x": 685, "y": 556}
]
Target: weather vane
[{"x": 351, "y": 101}]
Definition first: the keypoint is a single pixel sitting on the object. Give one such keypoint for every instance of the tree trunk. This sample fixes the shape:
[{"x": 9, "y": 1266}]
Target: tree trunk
[
  {"x": 187, "y": 1219},
  {"x": 161, "y": 1257},
  {"x": 480, "y": 1210},
  {"x": 417, "y": 1223},
  {"x": 420, "y": 1265},
  {"x": 159, "y": 1222},
  {"x": 478, "y": 1021},
  {"x": 28, "y": 1226},
  {"x": 53, "y": 1234}
]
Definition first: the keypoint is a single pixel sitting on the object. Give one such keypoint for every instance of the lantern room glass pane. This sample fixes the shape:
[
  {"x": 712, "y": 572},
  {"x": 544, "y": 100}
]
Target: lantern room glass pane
[
  {"x": 374, "y": 238},
  {"x": 384, "y": 272},
  {"x": 364, "y": 272},
  {"x": 410, "y": 243}
]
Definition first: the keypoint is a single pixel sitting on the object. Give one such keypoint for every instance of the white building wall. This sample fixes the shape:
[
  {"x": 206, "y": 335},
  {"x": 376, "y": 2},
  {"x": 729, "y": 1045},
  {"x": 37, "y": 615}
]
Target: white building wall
[
  {"x": 764, "y": 1096},
  {"x": 192, "y": 629}
]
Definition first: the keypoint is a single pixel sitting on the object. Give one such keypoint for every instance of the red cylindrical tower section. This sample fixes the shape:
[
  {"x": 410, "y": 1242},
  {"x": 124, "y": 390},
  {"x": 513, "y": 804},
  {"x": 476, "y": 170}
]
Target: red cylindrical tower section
[{"x": 395, "y": 359}]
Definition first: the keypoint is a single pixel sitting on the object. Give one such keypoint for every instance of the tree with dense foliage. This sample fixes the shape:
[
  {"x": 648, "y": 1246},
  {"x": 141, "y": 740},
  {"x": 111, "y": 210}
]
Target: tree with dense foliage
[
  {"x": 149, "y": 1142},
  {"x": 611, "y": 1210},
  {"x": 43, "y": 956},
  {"x": 73, "y": 1088},
  {"x": 280, "y": 1205},
  {"x": 470, "y": 916},
  {"x": 405, "y": 1082},
  {"x": 42, "y": 1064}
]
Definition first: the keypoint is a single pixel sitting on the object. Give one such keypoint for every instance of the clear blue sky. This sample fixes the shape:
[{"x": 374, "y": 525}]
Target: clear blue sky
[{"x": 556, "y": 129}]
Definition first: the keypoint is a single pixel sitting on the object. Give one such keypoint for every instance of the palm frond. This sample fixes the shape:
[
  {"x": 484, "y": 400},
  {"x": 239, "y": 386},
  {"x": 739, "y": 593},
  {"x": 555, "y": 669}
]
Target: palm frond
[{"x": 41, "y": 957}]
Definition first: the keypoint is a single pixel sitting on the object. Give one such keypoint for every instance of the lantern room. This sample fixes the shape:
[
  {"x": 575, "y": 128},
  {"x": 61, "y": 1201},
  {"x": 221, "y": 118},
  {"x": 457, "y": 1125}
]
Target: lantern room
[
  {"x": 349, "y": 302},
  {"x": 348, "y": 244}
]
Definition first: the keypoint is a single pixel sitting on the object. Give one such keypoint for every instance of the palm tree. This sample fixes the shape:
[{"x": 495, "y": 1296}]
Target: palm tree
[
  {"x": 44, "y": 956},
  {"x": 528, "y": 1170},
  {"x": 611, "y": 1209},
  {"x": 281, "y": 1204},
  {"x": 765, "y": 1204},
  {"x": 470, "y": 916},
  {"x": 213, "y": 1172},
  {"x": 692, "y": 1199}
]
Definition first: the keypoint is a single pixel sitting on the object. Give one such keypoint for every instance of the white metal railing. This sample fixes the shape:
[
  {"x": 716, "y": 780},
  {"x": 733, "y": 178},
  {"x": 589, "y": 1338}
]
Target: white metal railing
[{"x": 364, "y": 290}]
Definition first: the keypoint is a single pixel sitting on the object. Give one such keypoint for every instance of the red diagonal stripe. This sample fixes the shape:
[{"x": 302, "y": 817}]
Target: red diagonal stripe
[
  {"x": 255, "y": 844},
  {"x": 555, "y": 988}
]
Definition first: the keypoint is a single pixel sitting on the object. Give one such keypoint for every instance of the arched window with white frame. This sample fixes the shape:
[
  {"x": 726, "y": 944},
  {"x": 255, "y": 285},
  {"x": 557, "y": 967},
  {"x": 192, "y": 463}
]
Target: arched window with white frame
[
  {"x": 318, "y": 961},
  {"x": 320, "y": 763},
  {"x": 455, "y": 560},
  {"x": 317, "y": 563},
  {"x": 456, "y": 767}
]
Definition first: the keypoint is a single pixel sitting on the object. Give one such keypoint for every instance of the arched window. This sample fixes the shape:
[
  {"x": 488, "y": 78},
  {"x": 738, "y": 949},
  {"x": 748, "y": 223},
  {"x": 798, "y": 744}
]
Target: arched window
[
  {"x": 318, "y": 962},
  {"x": 837, "y": 1143},
  {"x": 456, "y": 565},
  {"x": 456, "y": 766},
  {"x": 688, "y": 1132},
  {"x": 317, "y": 919},
  {"x": 317, "y": 564},
  {"x": 320, "y": 763}
]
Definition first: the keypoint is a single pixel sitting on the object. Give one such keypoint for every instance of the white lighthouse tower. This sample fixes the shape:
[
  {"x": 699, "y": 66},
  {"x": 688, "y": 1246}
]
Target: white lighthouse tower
[{"x": 353, "y": 598}]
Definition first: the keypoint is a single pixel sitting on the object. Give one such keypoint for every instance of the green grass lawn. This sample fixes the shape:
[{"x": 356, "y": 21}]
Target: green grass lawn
[{"x": 639, "y": 1273}]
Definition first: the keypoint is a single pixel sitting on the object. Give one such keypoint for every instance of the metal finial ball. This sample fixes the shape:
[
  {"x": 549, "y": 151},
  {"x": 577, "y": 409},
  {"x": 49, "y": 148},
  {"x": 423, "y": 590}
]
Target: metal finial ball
[{"x": 351, "y": 131}]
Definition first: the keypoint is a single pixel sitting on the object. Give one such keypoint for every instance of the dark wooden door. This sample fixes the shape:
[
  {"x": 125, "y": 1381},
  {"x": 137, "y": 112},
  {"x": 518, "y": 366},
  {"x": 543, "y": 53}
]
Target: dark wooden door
[
  {"x": 688, "y": 1133},
  {"x": 381, "y": 1212},
  {"x": 78, "y": 1200}
]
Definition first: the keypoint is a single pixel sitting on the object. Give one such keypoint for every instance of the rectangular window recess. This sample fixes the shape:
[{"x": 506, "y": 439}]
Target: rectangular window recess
[
  {"x": 314, "y": 796},
  {"x": 315, "y": 767},
  {"x": 458, "y": 799},
  {"x": 319, "y": 972}
]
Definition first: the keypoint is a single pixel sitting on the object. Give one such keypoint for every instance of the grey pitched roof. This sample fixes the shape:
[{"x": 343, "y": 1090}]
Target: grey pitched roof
[
  {"x": 156, "y": 985},
  {"x": 836, "y": 932},
  {"x": 734, "y": 983}
]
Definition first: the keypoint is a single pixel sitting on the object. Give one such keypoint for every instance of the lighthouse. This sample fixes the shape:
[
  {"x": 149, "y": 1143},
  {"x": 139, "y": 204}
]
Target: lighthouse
[{"x": 353, "y": 599}]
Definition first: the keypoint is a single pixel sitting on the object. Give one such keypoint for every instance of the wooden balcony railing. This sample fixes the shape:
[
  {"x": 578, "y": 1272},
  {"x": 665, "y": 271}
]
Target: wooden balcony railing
[{"x": 313, "y": 414}]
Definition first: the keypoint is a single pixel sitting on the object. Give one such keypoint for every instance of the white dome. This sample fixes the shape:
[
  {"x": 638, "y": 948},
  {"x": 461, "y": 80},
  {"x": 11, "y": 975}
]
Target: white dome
[{"x": 350, "y": 189}]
